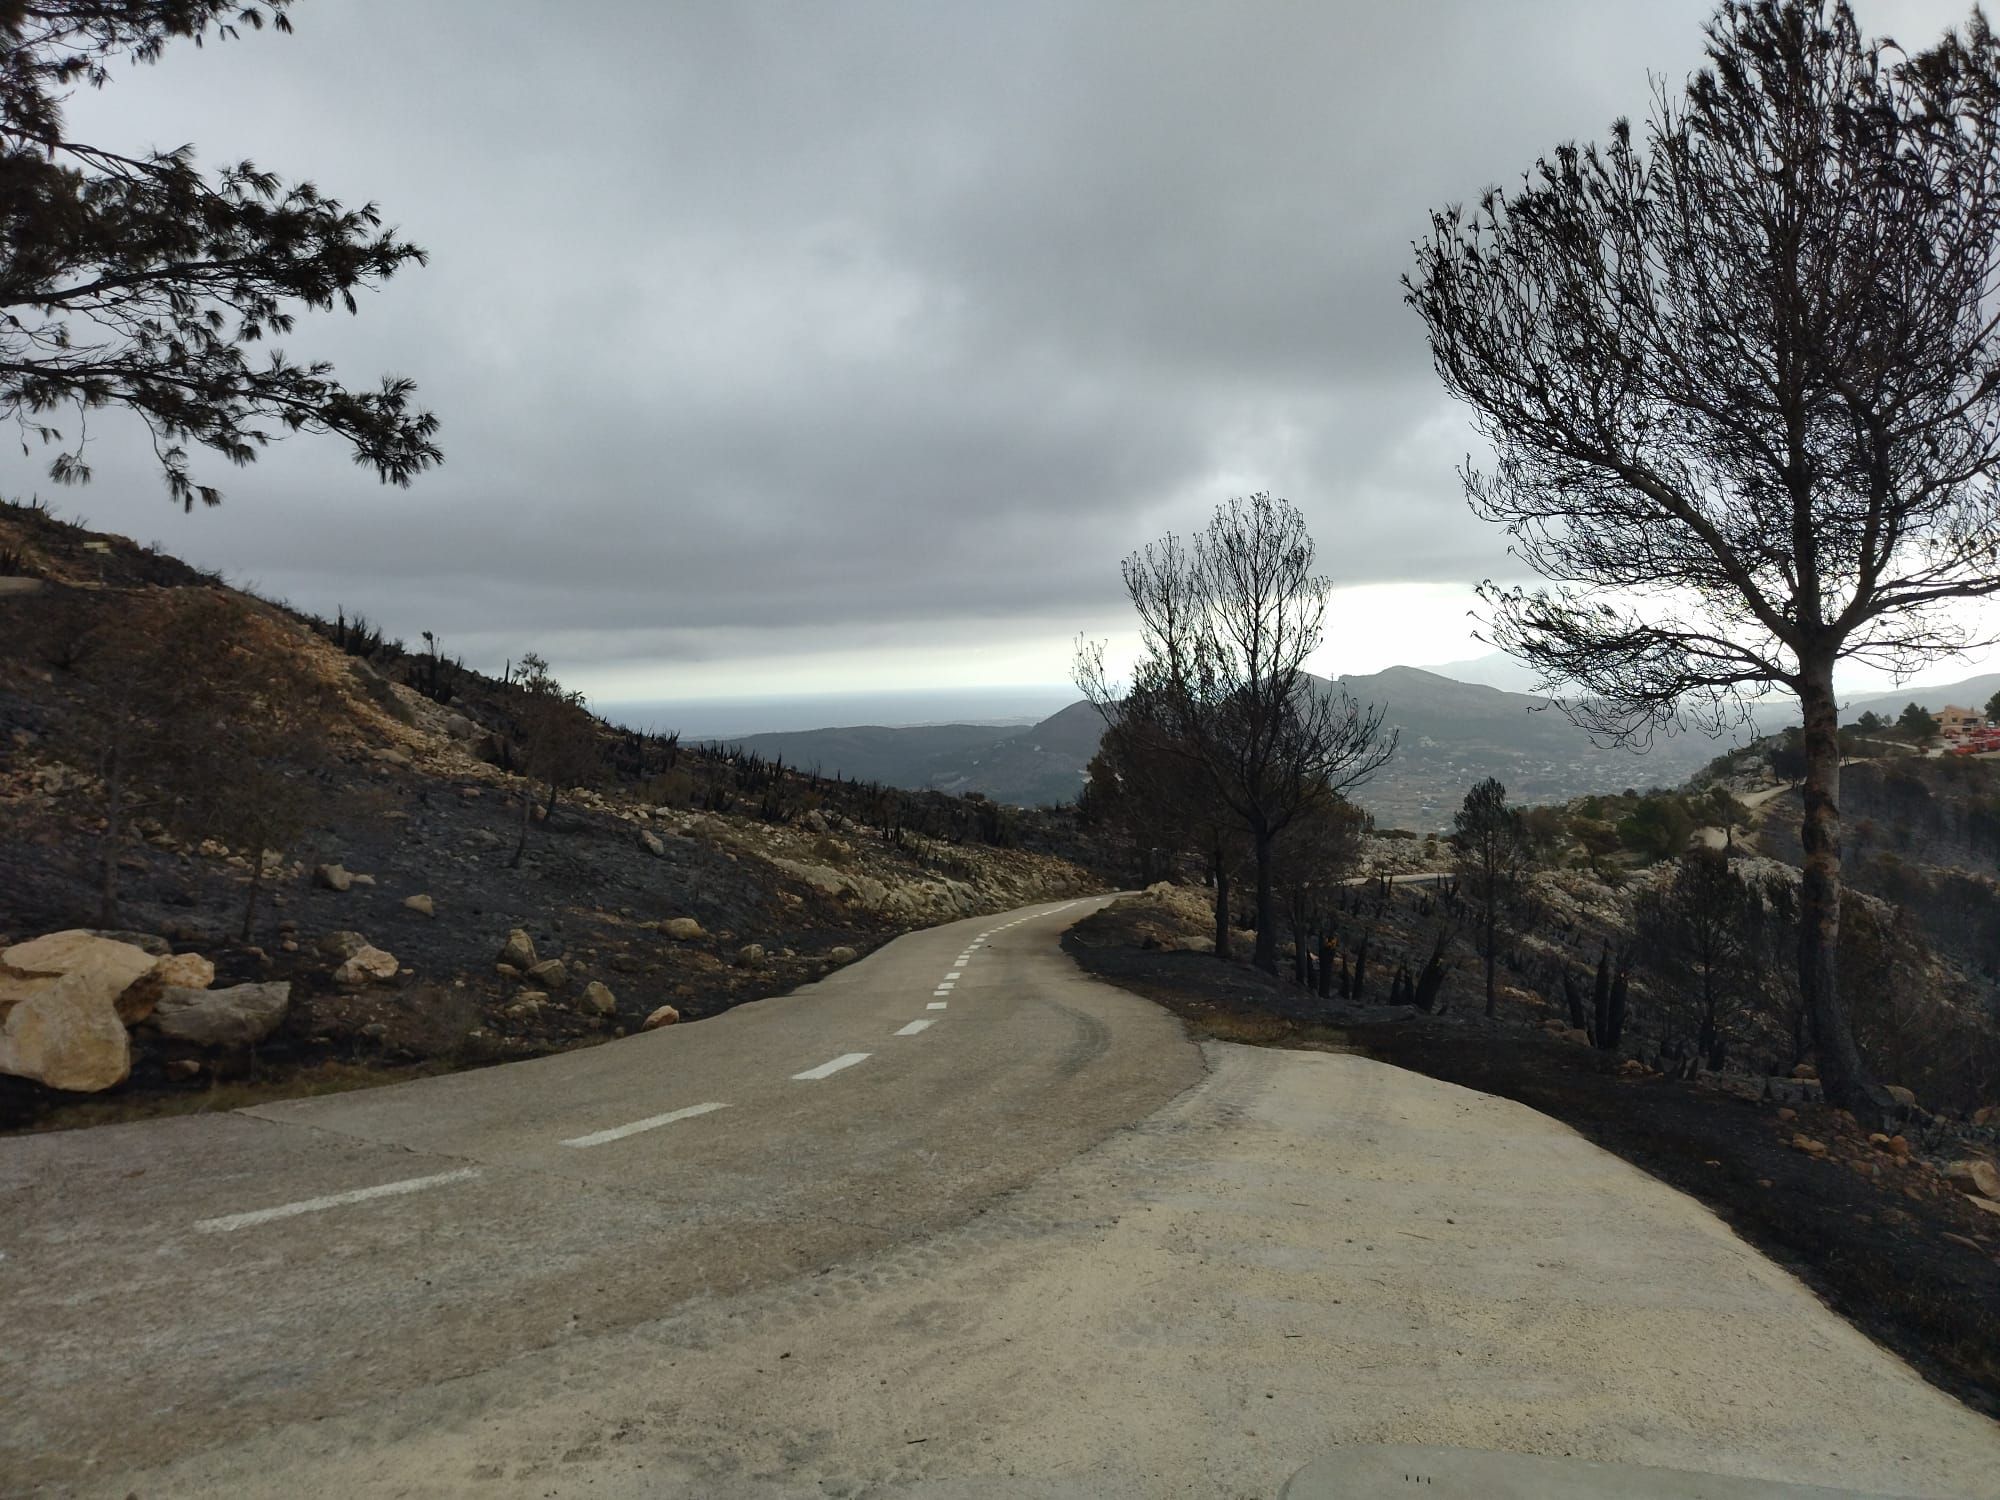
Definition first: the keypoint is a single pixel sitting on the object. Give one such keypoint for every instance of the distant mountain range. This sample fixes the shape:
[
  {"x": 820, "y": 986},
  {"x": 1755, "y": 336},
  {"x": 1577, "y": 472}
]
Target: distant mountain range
[{"x": 1451, "y": 734}]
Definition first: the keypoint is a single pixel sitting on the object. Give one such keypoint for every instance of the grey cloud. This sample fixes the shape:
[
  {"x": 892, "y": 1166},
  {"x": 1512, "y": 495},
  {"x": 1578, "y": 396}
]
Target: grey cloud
[{"x": 763, "y": 325}]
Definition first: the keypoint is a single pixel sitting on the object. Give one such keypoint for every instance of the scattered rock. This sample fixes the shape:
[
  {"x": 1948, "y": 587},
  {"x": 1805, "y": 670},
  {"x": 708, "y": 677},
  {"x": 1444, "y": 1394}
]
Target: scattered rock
[
  {"x": 333, "y": 878},
  {"x": 366, "y": 966},
  {"x": 666, "y": 1015},
  {"x": 518, "y": 950},
  {"x": 67, "y": 1036},
  {"x": 1805, "y": 1070},
  {"x": 390, "y": 756},
  {"x": 1902, "y": 1096},
  {"x": 1899, "y": 1146},
  {"x": 750, "y": 956},
  {"x": 682, "y": 929},
  {"x": 650, "y": 842},
  {"x": 1577, "y": 1035},
  {"x": 599, "y": 1000},
  {"x": 423, "y": 906},
  {"x": 1788, "y": 1114},
  {"x": 1808, "y": 1145},
  {"x": 841, "y": 955},
  {"x": 240, "y": 1016},
  {"x": 1987, "y": 1115},
  {"x": 550, "y": 973},
  {"x": 183, "y": 1067},
  {"x": 1974, "y": 1177}
]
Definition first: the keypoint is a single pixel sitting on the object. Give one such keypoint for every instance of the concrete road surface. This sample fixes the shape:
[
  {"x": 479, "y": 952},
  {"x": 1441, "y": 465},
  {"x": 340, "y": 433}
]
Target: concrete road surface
[{"x": 1029, "y": 1249}]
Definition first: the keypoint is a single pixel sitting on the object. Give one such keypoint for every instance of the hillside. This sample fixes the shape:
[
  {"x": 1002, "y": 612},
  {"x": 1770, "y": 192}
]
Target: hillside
[
  {"x": 392, "y": 929},
  {"x": 1452, "y": 734}
]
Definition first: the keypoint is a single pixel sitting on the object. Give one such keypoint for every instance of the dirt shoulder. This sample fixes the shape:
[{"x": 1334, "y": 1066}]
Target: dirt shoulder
[{"x": 1881, "y": 1238}]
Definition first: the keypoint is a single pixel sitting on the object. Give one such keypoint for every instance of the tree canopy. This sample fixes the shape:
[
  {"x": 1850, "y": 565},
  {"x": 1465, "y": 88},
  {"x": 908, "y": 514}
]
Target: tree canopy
[
  {"x": 1740, "y": 371},
  {"x": 141, "y": 281}
]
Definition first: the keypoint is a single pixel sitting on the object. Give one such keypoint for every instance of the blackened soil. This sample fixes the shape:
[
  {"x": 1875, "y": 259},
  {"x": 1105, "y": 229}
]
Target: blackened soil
[{"x": 1890, "y": 1246}]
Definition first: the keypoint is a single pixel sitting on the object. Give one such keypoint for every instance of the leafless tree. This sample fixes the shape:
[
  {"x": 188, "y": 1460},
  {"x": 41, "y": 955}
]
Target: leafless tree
[
  {"x": 1226, "y": 624},
  {"x": 1740, "y": 370}
]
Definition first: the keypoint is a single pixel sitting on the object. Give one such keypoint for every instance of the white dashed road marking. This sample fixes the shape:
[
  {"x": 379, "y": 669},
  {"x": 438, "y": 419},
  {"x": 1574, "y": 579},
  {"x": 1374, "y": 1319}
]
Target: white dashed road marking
[
  {"x": 935, "y": 1005},
  {"x": 827, "y": 1069},
  {"x": 654, "y": 1122},
  {"x": 332, "y": 1200},
  {"x": 955, "y": 973},
  {"x": 914, "y": 1027}
]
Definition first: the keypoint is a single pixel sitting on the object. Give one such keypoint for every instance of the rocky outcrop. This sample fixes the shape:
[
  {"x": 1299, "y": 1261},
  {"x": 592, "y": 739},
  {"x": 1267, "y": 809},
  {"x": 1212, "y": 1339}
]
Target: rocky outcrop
[
  {"x": 239, "y": 1016},
  {"x": 67, "y": 1035}
]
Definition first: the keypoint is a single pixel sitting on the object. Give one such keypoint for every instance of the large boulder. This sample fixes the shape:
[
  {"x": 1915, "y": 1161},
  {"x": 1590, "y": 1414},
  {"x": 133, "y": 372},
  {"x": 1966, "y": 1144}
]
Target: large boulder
[
  {"x": 750, "y": 956},
  {"x": 239, "y": 1016},
  {"x": 840, "y": 955},
  {"x": 666, "y": 1015},
  {"x": 67, "y": 1035},
  {"x": 334, "y": 878},
  {"x": 107, "y": 967},
  {"x": 550, "y": 974},
  {"x": 650, "y": 842},
  {"x": 599, "y": 1000},
  {"x": 366, "y": 966},
  {"x": 682, "y": 929},
  {"x": 1974, "y": 1176},
  {"x": 518, "y": 950},
  {"x": 187, "y": 971}
]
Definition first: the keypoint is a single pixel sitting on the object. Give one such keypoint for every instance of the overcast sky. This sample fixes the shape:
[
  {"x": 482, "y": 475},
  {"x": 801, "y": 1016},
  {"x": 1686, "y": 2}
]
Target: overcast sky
[{"x": 806, "y": 348}]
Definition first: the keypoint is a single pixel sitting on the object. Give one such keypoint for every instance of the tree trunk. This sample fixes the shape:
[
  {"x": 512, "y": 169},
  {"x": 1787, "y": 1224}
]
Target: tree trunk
[
  {"x": 1221, "y": 905},
  {"x": 1492, "y": 952},
  {"x": 1266, "y": 955},
  {"x": 114, "y": 832},
  {"x": 256, "y": 880},
  {"x": 1841, "y": 1070}
]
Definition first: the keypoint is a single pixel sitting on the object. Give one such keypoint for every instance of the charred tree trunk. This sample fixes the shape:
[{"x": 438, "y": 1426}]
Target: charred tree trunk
[
  {"x": 256, "y": 884},
  {"x": 1221, "y": 905},
  {"x": 1841, "y": 1070},
  {"x": 1266, "y": 954},
  {"x": 1491, "y": 946}
]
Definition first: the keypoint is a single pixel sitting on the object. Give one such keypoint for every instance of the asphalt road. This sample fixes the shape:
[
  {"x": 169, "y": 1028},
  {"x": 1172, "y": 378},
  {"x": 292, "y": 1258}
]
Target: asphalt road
[
  {"x": 173, "y": 1285},
  {"x": 1043, "y": 1247}
]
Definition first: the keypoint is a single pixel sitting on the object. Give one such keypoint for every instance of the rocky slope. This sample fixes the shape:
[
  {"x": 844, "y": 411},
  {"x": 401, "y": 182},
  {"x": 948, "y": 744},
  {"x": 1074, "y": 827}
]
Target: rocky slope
[{"x": 396, "y": 931}]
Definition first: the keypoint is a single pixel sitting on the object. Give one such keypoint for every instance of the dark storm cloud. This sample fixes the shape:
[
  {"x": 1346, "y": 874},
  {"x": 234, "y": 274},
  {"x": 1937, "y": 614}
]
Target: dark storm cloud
[{"x": 863, "y": 322}]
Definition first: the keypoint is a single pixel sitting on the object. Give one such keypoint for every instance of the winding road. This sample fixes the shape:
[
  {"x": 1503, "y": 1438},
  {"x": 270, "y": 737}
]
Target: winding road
[{"x": 954, "y": 1222}]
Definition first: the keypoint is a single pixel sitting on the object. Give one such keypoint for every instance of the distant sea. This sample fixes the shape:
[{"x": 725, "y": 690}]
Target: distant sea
[{"x": 728, "y": 718}]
